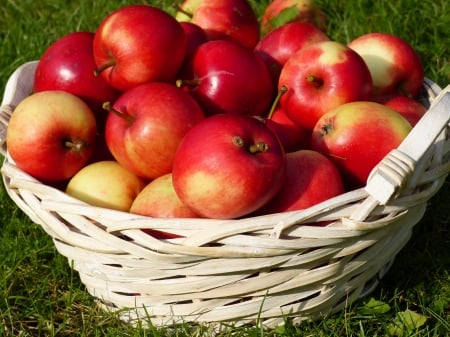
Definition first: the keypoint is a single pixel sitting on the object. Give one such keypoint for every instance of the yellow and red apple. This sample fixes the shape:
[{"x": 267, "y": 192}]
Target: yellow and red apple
[
  {"x": 408, "y": 107},
  {"x": 356, "y": 136},
  {"x": 311, "y": 178},
  {"x": 159, "y": 199},
  {"x": 146, "y": 124},
  {"x": 223, "y": 19},
  {"x": 51, "y": 135},
  {"x": 227, "y": 166},
  {"x": 106, "y": 184},
  {"x": 321, "y": 77},
  {"x": 395, "y": 66},
  {"x": 278, "y": 45}
]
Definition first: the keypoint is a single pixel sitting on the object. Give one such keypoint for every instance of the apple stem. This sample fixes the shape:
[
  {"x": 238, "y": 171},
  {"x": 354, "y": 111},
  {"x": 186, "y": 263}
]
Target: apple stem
[
  {"x": 75, "y": 144},
  {"x": 314, "y": 80},
  {"x": 191, "y": 83},
  {"x": 104, "y": 66},
  {"x": 254, "y": 148},
  {"x": 108, "y": 107},
  {"x": 258, "y": 147},
  {"x": 283, "y": 89},
  {"x": 182, "y": 10},
  {"x": 328, "y": 154}
]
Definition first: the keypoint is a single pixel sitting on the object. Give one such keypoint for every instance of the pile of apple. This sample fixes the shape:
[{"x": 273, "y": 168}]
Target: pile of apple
[{"x": 213, "y": 113}]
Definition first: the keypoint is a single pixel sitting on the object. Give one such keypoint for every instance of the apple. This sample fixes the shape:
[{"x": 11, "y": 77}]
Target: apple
[
  {"x": 311, "y": 178},
  {"x": 68, "y": 64},
  {"x": 106, "y": 184},
  {"x": 225, "y": 77},
  {"x": 321, "y": 77},
  {"x": 279, "y": 12},
  {"x": 138, "y": 43},
  {"x": 278, "y": 45},
  {"x": 358, "y": 135},
  {"x": 395, "y": 66},
  {"x": 195, "y": 36},
  {"x": 228, "y": 166},
  {"x": 291, "y": 136},
  {"x": 147, "y": 123},
  {"x": 159, "y": 199},
  {"x": 408, "y": 107},
  {"x": 223, "y": 19},
  {"x": 51, "y": 135}
]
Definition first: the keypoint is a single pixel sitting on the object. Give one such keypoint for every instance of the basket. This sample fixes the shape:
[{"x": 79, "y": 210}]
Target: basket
[{"x": 263, "y": 269}]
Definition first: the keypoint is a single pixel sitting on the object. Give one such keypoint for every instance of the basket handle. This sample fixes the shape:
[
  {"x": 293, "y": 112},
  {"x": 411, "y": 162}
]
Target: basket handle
[{"x": 389, "y": 177}]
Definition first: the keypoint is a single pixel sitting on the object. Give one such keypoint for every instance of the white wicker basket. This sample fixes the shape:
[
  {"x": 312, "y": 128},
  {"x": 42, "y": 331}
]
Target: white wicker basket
[{"x": 263, "y": 268}]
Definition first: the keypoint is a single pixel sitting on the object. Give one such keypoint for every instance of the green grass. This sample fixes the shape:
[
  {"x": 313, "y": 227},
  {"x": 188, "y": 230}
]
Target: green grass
[{"x": 40, "y": 295}]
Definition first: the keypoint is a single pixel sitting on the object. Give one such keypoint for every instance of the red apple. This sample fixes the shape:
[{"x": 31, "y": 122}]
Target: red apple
[
  {"x": 279, "y": 12},
  {"x": 277, "y": 46},
  {"x": 195, "y": 35},
  {"x": 68, "y": 64},
  {"x": 356, "y": 136},
  {"x": 106, "y": 184},
  {"x": 310, "y": 179},
  {"x": 291, "y": 136},
  {"x": 159, "y": 199},
  {"x": 321, "y": 77},
  {"x": 51, "y": 135},
  {"x": 408, "y": 107},
  {"x": 137, "y": 44},
  {"x": 225, "y": 77},
  {"x": 146, "y": 125},
  {"x": 228, "y": 166},
  {"x": 223, "y": 19},
  {"x": 393, "y": 63}
]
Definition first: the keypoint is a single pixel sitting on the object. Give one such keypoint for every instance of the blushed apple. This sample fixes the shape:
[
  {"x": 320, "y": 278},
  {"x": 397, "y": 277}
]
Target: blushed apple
[
  {"x": 321, "y": 77},
  {"x": 278, "y": 45},
  {"x": 228, "y": 166},
  {"x": 159, "y": 199},
  {"x": 51, "y": 135},
  {"x": 356, "y": 136},
  {"x": 310, "y": 179},
  {"x": 408, "y": 107},
  {"x": 147, "y": 123},
  {"x": 223, "y": 19},
  {"x": 136, "y": 44},
  {"x": 395, "y": 66},
  {"x": 106, "y": 184}
]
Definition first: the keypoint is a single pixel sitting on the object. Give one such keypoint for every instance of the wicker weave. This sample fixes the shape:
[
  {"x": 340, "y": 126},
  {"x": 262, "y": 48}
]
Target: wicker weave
[{"x": 263, "y": 268}]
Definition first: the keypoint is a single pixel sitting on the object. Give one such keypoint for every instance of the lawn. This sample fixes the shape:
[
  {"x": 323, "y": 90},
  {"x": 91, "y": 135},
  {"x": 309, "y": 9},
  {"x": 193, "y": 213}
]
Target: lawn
[{"x": 40, "y": 295}]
